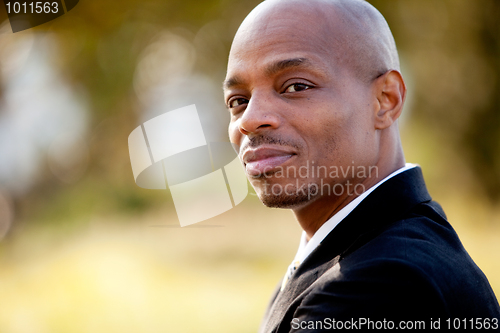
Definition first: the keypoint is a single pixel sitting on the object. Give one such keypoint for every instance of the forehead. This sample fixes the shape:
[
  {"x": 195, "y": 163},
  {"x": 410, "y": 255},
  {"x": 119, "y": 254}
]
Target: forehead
[{"x": 281, "y": 35}]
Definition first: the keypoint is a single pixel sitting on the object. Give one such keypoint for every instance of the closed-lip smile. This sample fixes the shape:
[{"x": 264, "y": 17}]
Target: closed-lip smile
[{"x": 265, "y": 159}]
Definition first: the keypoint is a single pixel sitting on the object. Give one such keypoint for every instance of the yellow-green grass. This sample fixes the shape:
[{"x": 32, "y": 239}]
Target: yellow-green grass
[{"x": 150, "y": 275}]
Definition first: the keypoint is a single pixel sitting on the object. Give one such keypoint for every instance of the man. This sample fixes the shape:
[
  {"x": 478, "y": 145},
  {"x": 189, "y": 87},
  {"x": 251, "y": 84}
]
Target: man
[{"x": 314, "y": 90}]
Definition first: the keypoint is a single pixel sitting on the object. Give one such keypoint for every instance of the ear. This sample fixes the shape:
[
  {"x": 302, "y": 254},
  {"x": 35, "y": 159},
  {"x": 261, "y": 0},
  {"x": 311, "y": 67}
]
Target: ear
[{"x": 390, "y": 94}]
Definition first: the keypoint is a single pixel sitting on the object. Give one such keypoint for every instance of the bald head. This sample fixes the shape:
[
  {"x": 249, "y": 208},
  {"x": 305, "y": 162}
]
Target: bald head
[{"x": 352, "y": 32}]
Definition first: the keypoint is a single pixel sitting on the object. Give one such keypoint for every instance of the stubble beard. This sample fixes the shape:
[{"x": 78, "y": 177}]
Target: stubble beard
[{"x": 286, "y": 196}]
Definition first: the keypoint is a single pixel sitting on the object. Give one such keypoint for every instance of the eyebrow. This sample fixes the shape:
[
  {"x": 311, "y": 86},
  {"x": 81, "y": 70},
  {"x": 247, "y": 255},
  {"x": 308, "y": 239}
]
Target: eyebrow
[
  {"x": 271, "y": 69},
  {"x": 281, "y": 65},
  {"x": 232, "y": 82}
]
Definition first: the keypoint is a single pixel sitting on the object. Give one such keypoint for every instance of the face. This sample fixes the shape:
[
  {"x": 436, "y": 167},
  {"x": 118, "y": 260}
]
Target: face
[{"x": 297, "y": 114}]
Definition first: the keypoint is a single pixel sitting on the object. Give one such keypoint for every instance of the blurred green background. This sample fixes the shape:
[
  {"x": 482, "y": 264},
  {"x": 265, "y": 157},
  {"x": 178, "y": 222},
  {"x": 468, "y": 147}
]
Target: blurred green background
[{"x": 83, "y": 249}]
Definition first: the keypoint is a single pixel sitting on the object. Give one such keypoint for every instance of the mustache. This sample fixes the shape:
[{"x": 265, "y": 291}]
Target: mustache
[{"x": 256, "y": 141}]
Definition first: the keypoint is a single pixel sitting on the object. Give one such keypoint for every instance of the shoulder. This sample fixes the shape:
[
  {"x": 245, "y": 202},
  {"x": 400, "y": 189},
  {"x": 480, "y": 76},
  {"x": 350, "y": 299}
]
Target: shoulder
[
  {"x": 393, "y": 271},
  {"x": 379, "y": 288},
  {"x": 422, "y": 240}
]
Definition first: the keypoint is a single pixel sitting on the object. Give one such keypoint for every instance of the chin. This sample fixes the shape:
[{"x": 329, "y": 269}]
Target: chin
[{"x": 294, "y": 197}]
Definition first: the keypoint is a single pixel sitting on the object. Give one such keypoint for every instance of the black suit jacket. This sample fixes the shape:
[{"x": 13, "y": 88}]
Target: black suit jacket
[{"x": 394, "y": 257}]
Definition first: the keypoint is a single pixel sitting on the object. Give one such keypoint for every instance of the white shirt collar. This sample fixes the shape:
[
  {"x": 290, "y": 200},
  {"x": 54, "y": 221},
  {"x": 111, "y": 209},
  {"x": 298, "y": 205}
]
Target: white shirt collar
[{"x": 305, "y": 247}]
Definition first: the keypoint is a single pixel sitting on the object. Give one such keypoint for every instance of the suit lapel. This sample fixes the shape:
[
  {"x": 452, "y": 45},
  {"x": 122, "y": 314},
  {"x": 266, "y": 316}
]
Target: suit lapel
[
  {"x": 299, "y": 283},
  {"x": 383, "y": 206}
]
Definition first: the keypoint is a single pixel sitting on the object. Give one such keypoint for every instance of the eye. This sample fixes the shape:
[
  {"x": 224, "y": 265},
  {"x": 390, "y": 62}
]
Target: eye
[
  {"x": 235, "y": 102},
  {"x": 297, "y": 87}
]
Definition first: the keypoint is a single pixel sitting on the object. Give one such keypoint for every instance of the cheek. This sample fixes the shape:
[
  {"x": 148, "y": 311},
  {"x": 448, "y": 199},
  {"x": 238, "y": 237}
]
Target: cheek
[
  {"x": 234, "y": 133},
  {"x": 329, "y": 137},
  {"x": 357, "y": 135},
  {"x": 335, "y": 133},
  {"x": 321, "y": 133}
]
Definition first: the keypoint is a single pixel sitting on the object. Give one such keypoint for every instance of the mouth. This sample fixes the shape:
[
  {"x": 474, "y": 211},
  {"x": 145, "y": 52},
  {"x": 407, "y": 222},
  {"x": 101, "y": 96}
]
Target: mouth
[{"x": 265, "y": 160}]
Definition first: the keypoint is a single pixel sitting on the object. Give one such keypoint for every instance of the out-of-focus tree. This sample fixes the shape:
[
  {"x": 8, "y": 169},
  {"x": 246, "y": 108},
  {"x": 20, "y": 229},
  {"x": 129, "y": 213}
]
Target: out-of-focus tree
[
  {"x": 452, "y": 50},
  {"x": 449, "y": 48}
]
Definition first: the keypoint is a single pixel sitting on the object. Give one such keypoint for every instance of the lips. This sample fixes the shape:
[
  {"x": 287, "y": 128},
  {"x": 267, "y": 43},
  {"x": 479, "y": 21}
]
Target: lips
[{"x": 264, "y": 160}]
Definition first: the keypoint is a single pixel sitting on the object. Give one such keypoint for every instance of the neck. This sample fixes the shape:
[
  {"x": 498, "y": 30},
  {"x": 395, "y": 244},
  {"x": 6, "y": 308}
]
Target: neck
[{"x": 316, "y": 212}]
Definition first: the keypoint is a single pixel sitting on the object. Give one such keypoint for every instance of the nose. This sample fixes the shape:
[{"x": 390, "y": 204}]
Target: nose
[{"x": 260, "y": 114}]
